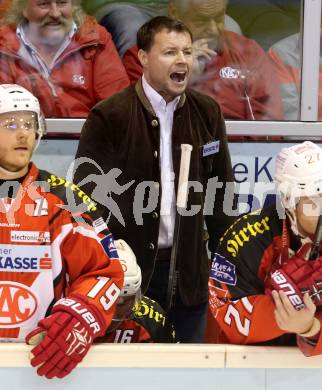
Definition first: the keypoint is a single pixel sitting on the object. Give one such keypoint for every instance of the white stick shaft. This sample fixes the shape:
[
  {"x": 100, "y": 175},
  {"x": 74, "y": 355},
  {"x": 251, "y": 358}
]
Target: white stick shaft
[{"x": 184, "y": 175}]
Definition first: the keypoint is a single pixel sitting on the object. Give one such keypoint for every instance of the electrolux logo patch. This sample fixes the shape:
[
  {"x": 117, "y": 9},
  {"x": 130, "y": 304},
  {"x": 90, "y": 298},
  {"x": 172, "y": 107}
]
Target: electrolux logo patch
[{"x": 29, "y": 236}]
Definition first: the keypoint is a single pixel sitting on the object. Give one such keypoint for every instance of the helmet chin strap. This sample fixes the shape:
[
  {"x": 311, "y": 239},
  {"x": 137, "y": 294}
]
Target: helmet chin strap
[
  {"x": 294, "y": 227},
  {"x": 292, "y": 217},
  {"x": 37, "y": 141}
]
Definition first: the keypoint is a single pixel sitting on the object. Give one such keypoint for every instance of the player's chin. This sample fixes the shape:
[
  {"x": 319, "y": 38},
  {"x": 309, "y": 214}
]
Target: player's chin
[{"x": 19, "y": 164}]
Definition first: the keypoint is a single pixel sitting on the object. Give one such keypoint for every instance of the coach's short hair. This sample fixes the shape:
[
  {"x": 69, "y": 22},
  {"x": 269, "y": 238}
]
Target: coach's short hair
[{"x": 147, "y": 32}]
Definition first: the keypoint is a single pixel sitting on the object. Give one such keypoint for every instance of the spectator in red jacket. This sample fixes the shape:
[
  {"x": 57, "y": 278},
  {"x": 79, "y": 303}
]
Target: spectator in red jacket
[
  {"x": 61, "y": 55},
  {"x": 4, "y": 6},
  {"x": 286, "y": 57},
  {"x": 232, "y": 69}
]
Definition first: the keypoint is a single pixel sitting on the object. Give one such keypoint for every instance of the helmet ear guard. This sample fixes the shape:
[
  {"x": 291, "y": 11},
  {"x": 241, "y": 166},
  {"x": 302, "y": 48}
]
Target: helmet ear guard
[
  {"x": 42, "y": 127},
  {"x": 41, "y": 131},
  {"x": 130, "y": 294}
]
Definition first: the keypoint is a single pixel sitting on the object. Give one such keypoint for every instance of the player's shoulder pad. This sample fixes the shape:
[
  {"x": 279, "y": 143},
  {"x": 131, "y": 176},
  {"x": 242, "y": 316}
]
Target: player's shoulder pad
[
  {"x": 149, "y": 314},
  {"x": 69, "y": 193},
  {"x": 241, "y": 248},
  {"x": 249, "y": 231}
]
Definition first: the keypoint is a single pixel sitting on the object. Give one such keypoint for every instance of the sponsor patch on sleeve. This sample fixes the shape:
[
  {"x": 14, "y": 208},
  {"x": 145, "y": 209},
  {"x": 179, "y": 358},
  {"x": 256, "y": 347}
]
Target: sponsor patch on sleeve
[
  {"x": 223, "y": 271},
  {"x": 99, "y": 225},
  {"x": 109, "y": 246}
]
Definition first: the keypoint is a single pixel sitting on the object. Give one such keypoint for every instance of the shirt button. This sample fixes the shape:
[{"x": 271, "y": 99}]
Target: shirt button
[
  {"x": 155, "y": 215},
  {"x": 155, "y": 123},
  {"x": 155, "y": 154},
  {"x": 151, "y": 246}
]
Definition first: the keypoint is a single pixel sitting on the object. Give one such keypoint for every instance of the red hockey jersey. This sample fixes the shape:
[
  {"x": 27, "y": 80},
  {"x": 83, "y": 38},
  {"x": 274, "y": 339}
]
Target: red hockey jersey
[
  {"x": 51, "y": 246},
  {"x": 240, "y": 311}
]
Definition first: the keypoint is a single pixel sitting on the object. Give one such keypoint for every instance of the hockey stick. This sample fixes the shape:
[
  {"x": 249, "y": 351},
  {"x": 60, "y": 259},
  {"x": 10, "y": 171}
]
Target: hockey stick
[
  {"x": 181, "y": 204},
  {"x": 314, "y": 254}
]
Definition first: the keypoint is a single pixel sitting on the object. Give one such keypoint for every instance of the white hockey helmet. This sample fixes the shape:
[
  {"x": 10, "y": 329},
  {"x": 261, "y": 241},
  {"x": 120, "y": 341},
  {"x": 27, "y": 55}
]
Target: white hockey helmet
[
  {"x": 131, "y": 290},
  {"x": 298, "y": 173},
  {"x": 14, "y": 98},
  {"x": 132, "y": 272}
]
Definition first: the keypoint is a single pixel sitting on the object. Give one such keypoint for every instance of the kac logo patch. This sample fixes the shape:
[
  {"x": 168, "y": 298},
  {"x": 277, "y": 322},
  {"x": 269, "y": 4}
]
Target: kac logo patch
[
  {"x": 78, "y": 79},
  {"x": 229, "y": 73},
  {"x": 223, "y": 271},
  {"x": 18, "y": 304}
]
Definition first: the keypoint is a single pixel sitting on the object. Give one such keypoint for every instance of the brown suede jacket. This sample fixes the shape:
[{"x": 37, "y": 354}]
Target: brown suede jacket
[{"x": 123, "y": 132}]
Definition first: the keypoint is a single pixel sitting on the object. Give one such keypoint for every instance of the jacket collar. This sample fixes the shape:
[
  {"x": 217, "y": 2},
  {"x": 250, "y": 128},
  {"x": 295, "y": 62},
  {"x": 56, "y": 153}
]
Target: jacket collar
[{"x": 145, "y": 101}]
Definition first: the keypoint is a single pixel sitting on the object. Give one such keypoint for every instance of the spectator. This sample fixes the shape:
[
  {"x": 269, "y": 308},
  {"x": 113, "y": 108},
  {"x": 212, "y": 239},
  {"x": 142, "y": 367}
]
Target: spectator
[
  {"x": 50, "y": 266},
  {"x": 4, "y": 6},
  {"x": 137, "y": 319},
  {"x": 266, "y": 21},
  {"x": 124, "y": 18},
  {"x": 153, "y": 118},
  {"x": 265, "y": 285},
  {"x": 64, "y": 57},
  {"x": 230, "y": 68},
  {"x": 286, "y": 58}
]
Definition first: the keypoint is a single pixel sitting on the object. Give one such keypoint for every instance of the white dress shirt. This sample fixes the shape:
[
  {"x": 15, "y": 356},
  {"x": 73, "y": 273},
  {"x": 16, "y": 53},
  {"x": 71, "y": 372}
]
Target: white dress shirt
[{"x": 164, "y": 112}]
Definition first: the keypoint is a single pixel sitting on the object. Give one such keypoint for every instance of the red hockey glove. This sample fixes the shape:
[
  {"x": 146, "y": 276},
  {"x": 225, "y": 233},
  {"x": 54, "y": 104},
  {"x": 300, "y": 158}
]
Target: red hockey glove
[
  {"x": 297, "y": 276},
  {"x": 64, "y": 338}
]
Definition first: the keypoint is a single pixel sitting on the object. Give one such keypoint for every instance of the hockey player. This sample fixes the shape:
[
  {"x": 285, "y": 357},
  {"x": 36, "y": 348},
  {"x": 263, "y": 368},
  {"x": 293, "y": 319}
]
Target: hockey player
[
  {"x": 263, "y": 287},
  {"x": 137, "y": 319},
  {"x": 58, "y": 279}
]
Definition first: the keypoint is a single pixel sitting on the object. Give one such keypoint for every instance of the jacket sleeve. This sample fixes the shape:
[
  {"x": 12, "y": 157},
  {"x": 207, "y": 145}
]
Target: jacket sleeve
[
  {"x": 6, "y": 70},
  {"x": 92, "y": 268},
  {"x": 109, "y": 74},
  {"x": 132, "y": 64},
  {"x": 222, "y": 216},
  {"x": 237, "y": 301}
]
